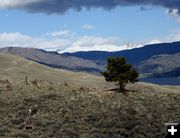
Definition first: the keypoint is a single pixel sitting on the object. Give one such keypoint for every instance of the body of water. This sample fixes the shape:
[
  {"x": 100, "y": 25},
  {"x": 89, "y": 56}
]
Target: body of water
[{"x": 162, "y": 81}]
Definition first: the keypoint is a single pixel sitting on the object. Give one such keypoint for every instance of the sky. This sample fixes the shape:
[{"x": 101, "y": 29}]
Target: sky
[{"x": 86, "y": 25}]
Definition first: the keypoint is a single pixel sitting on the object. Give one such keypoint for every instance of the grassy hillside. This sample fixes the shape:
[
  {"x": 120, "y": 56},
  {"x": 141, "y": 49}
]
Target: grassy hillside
[
  {"x": 63, "y": 104},
  {"x": 151, "y": 61},
  {"x": 160, "y": 63},
  {"x": 17, "y": 68},
  {"x": 53, "y": 59},
  {"x": 71, "y": 111}
]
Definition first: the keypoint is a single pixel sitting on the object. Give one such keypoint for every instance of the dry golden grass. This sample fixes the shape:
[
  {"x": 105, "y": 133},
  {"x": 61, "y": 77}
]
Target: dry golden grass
[
  {"x": 60, "y": 104},
  {"x": 16, "y": 68},
  {"x": 70, "y": 110}
]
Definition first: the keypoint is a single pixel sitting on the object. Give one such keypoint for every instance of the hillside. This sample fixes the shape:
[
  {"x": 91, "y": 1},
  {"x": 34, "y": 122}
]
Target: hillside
[
  {"x": 63, "y": 110},
  {"x": 160, "y": 63},
  {"x": 152, "y": 61},
  {"x": 60, "y": 103},
  {"x": 134, "y": 56},
  {"x": 53, "y": 59},
  {"x": 155, "y": 58},
  {"x": 17, "y": 68}
]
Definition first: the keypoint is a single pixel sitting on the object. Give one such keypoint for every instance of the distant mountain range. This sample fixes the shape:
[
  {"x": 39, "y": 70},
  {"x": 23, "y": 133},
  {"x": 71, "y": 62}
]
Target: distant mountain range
[
  {"x": 154, "y": 59},
  {"x": 134, "y": 56}
]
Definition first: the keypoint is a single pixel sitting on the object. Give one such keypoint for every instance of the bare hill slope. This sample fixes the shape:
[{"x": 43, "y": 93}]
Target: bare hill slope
[
  {"x": 53, "y": 59},
  {"x": 17, "y": 68}
]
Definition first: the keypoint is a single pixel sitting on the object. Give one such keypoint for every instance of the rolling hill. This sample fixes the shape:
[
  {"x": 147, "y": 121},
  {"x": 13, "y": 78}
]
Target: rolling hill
[
  {"x": 134, "y": 56},
  {"x": 53, "y": 59},
  {"x": 17, "y": 68},
  {"x": 160, "y": 63},
  {"x": 155, "y": 60}
]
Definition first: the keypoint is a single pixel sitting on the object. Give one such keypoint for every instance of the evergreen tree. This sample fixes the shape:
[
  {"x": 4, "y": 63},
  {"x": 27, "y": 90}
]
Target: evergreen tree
[{"x": 120, "y": 72}]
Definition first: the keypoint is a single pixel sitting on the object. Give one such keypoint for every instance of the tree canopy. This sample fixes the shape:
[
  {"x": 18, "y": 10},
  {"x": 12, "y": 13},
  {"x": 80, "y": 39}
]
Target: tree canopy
[{"x": 120, "y": 72}]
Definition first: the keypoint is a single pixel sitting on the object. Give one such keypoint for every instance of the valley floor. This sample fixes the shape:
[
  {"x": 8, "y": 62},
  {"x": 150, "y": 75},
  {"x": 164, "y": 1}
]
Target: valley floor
[{"x": 41, "y": 110}]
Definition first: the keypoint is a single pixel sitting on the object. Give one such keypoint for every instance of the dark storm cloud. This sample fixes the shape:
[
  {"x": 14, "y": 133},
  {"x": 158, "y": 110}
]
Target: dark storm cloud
[{"x": 61, "y": 6}]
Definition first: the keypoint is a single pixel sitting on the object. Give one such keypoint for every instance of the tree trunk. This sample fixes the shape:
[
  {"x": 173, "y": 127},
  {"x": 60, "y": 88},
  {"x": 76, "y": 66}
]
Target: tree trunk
[{"x": 121, "y": 87}]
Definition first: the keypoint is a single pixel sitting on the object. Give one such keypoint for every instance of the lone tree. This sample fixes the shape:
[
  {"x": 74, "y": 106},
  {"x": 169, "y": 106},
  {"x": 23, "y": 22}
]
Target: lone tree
[{"x": 121, "y": 72}]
